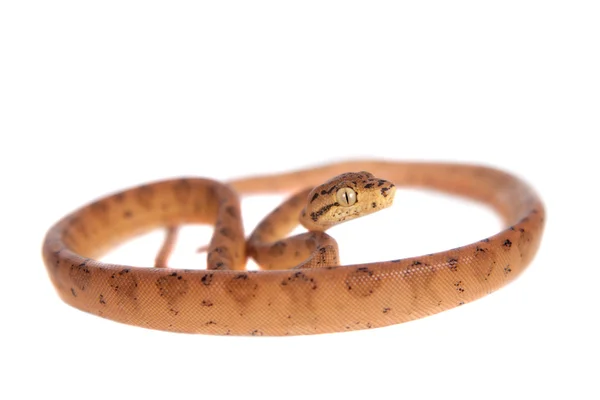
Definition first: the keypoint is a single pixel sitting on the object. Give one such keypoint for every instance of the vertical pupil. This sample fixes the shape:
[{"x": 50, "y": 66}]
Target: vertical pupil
[{"x": 346, "y": 197}]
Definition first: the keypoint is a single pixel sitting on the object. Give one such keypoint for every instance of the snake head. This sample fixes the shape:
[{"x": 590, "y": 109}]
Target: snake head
[{"x": 345, "y": 197}]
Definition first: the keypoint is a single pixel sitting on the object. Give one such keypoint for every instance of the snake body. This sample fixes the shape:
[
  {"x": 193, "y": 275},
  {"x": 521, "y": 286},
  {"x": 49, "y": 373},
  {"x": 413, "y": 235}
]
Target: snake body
[{"x": 301, "y": 289}]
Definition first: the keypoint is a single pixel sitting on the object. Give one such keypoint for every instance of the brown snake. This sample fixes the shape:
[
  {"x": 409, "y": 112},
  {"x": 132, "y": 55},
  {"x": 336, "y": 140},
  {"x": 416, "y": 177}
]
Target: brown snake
[{"x": 300, "y": 288}]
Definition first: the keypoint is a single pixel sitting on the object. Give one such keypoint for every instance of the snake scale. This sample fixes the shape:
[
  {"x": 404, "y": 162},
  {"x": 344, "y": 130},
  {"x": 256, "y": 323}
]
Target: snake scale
[{"x": 300, "y": 288}]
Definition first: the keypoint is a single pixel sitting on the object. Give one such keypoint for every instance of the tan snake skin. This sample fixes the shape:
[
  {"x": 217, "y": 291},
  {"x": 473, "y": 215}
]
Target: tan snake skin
[{"x": 307, "y": 297}]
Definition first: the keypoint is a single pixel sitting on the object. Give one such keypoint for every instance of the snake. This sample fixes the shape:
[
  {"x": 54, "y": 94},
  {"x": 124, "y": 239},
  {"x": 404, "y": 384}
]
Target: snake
[{"x": 300, "y": 287}]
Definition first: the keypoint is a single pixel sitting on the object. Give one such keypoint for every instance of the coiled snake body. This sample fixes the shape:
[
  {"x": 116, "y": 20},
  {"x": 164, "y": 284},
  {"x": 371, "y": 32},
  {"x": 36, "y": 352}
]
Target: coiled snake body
[{"x": 301, "y": 289}]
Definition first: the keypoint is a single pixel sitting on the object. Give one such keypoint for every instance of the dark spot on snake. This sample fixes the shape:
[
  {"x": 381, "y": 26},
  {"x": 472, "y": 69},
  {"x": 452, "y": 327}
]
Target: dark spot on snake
[
  {"x": 386, "y": 310},
  {"x": 101, "y": 299},
  {"x": 331, "y": 189},
  {"x": 316, "y": 214},
  {"x": 507, "y": 243},
  {"x": 381, "y": 182},
  {"x": 369, "y": 185},
  {"x": 127, "y": 214},
  {"x": 384, "y": 192},
  {"x": 397, "y": 261},
  {"x": 299, "y": 288},
  {"x": 211, "y": 323},
  {"x": 373, "y": 204},
  {"x": 241, "y": 288},
  {"x": 223, "y": 251},
  {"x": 144, "y": 196},
  {"x": 256, "y": 332},
  {"x": 490, "y": 270},
  {"x": 525, "y": 250},
  {"x": 415, "y": 263},
  {"x": 80, "y": 275},
  {"x": 231, "y": 211},
  {"x": 299, "y": 276},
  {"x": 486, "y": 240},
  {"x": 507, "y": 269},
  {"x": 453, "y": 264},
  {"x": 458, "y": 285},
  {"x": 207, "y": 303},
  {"x": 57, "y": 255},
  {"x": 219, "y": 265},
  {"x": 226, "y": 232},
  {"x": 310, "y": 242},
  {"x": 314, "y": 197},
  {"x": 207, "y": 279},
  {"x": 99, "y": 207},
  {"x": 362, "y": 282},
  {"x": 365, "y": 270},
  {"x": 171, "y": 288},
  {"x": 480, "y": 250},
  {"x": 461, "y": 303},
  {"x": 278, "y": 248},
  {"x": 119, "y": 197},
  {"x": 124, "y": 284},
  {"x": 73, "y": 292}
]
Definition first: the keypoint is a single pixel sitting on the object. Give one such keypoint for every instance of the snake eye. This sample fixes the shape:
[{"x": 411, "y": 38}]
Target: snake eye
[{"x": 346, "y": 196}]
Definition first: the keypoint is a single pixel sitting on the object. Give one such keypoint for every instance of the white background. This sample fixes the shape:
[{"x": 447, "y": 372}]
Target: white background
[{"x": 99, "y": 96}]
